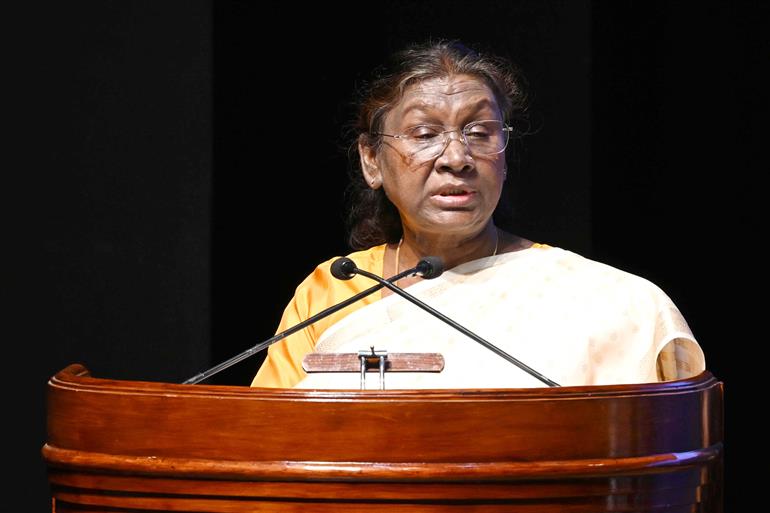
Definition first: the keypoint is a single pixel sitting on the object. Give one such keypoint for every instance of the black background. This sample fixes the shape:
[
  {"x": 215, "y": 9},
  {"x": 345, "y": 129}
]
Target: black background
[{"x": 176, "y": 168}]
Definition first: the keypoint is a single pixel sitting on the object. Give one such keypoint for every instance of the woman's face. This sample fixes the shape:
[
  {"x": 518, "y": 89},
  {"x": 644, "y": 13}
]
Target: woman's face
[{"x": 451, "y": 193}]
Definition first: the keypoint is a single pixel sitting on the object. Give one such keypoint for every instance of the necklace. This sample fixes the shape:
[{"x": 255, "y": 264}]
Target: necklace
[{"x": 398, "y": 250}]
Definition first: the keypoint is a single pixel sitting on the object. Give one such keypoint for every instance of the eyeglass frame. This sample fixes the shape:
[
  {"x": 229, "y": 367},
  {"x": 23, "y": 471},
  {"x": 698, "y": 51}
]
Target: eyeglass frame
[{"x": 463, "y": 134}]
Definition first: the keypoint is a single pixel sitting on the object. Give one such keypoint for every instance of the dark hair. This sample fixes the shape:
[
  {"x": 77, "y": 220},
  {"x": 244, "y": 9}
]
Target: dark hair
[{"x": 372, "y": 218}]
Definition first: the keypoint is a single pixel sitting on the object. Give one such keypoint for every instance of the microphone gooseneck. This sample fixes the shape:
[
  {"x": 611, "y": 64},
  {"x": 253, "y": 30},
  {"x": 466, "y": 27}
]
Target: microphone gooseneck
[
  {"x": 431, "y": 266},
  {"x": 343, "y": 269}
]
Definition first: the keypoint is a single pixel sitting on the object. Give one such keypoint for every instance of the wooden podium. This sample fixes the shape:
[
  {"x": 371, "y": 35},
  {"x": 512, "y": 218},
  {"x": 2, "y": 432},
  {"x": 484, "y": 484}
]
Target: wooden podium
[{"x": 128, "y": 446}]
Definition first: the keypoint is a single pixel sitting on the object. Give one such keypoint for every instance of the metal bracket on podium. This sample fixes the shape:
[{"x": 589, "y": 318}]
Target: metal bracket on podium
[{"x": 371, "y": 360}]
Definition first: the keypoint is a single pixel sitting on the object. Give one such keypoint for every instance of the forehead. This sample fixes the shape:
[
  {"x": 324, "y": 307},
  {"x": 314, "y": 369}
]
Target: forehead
[{"x": 452, "y": 93}]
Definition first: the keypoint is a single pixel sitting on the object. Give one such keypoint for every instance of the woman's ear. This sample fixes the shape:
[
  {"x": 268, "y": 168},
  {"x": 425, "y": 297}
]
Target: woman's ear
[{"x": 369, "y": 166}]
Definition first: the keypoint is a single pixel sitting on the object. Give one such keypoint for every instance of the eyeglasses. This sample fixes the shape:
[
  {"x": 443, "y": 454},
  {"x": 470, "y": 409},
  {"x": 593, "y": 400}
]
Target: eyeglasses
[{"x": 482, "y": 138}]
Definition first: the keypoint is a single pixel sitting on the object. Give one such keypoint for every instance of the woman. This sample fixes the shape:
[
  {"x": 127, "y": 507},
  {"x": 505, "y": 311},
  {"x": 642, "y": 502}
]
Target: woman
[{"x": 432, "y": 133}]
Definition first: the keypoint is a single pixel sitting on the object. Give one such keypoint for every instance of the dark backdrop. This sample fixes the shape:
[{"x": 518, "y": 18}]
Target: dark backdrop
[
  {"x": 166, "y": 202},
  {"x": 110, "y": 205}
]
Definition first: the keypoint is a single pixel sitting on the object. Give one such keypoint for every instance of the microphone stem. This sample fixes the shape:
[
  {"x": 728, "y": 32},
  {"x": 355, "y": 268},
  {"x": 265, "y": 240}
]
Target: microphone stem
[
  {"x": 529, "y": 370},
  {"x": 317, "y": 317}
]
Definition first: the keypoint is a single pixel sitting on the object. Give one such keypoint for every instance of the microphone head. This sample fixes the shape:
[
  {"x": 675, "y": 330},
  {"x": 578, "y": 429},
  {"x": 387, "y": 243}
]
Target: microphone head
[
  {"x": 430, "y": 267},
  {"x": 343, "y": 268}
]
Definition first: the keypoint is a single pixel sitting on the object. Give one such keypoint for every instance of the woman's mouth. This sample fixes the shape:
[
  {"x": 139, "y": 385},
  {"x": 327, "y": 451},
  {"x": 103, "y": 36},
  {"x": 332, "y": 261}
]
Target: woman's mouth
[{"x": 454, "y": 197}]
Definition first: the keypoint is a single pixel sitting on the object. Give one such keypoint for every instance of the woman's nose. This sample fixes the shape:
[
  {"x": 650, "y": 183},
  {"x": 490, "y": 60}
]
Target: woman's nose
[{"x": 456, "y": 156}]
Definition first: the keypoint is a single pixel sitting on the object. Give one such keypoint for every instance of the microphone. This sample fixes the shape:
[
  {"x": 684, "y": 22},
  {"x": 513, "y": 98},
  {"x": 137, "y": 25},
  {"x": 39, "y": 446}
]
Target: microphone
[
  {"x": 425, "y": 269},
  {"x": 429, "y": 268},
  {"x": 346, "y": 269}
]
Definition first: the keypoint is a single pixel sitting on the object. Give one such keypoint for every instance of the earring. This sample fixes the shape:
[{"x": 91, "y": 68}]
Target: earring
[{"x": 372, "y": 182}]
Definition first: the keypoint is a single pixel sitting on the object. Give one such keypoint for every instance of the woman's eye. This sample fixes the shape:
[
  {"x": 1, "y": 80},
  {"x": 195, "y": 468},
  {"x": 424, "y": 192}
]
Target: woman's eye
[
  {"x": 424, "y": 133},
  {"x": 478, "y": 132}
]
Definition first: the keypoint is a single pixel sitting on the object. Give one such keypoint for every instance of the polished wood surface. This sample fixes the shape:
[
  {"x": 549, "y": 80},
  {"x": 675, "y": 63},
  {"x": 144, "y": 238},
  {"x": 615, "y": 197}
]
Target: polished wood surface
[{"x": 134, "y": 446}]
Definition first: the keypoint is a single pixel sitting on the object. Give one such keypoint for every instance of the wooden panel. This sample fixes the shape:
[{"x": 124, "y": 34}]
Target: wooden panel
[
  {"x": 156, "y": 446},
  {"x": 394, "y": 362}
]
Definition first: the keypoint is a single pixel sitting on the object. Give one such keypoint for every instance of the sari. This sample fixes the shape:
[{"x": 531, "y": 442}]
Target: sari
[{"x": 572, "y": 319}]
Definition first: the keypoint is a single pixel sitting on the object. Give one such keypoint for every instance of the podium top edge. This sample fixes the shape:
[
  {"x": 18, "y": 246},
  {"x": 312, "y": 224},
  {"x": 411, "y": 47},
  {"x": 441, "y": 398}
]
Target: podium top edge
[{"x": 78, "y": 376}]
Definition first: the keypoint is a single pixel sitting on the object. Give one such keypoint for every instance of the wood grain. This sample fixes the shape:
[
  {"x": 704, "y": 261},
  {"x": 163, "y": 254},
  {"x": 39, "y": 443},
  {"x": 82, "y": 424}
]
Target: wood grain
[
  {"x": 395, "y": 362},
  {"x": 133, "y": 446}
]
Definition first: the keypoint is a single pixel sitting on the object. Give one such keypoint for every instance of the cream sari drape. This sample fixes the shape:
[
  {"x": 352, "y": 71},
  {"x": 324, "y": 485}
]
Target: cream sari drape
[{"x": 574, "y": 320}]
